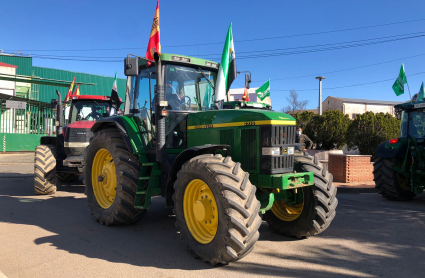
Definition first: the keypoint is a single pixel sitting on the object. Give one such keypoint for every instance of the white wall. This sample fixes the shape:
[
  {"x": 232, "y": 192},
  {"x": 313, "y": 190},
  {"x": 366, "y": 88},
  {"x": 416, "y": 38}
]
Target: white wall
[
  {"x": 358, "y": 108},
  {"x": 7, "y": 87},
  {"x": 332, "y": 104}
]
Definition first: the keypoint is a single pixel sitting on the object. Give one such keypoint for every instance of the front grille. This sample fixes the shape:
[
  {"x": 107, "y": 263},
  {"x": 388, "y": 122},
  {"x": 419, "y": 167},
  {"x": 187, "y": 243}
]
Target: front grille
[
  {"x": 249, "y": 149},
  {"x": 277, "y": 136}
]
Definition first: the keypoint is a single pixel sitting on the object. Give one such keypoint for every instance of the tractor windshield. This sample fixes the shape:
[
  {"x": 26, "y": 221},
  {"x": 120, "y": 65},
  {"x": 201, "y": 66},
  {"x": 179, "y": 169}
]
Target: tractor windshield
[
  {"x": 188, "y": 89},
  {"x": 90, "y": 111},
  {"x": 413, "y": 123}
]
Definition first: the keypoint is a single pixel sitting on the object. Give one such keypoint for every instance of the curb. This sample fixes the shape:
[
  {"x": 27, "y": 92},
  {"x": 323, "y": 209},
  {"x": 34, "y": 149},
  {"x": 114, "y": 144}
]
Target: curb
[{"x": 356, "y": 190}]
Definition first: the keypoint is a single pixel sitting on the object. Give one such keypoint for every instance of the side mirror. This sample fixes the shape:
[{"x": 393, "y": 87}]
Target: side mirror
[
  {"x": 247, "y": 80},
  {"x": 131, "y": 66},
  {"x": 53, "y": 103}
]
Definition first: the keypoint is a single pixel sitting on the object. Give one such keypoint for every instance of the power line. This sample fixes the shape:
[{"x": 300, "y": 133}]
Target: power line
[
  {"x": 324, "y": 49},
  {"x": 221, "y": 42},
  {"x": 347, "y": 86},
  {"x": 319, "y": 45},
  {"x": 342, "y": 70},
  {"x": 332, "y": 46},
  {"x": 360, "y": 67}
]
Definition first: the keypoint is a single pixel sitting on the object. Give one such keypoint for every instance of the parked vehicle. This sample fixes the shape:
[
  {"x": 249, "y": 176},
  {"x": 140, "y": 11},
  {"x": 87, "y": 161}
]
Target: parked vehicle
[
  {"x": 399, "y": 168},
  {"x": 61, "y": 157},
  {"x": 217, "y": 168}
]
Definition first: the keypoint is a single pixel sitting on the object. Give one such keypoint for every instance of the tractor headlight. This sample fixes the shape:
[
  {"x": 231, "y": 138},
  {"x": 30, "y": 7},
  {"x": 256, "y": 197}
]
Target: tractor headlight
[{"x": 271, "y": 151}]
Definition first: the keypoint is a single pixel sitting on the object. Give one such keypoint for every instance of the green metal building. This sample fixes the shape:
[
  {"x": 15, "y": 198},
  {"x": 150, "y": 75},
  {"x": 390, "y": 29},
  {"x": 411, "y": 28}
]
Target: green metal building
[{"x": 21, "y": 129}]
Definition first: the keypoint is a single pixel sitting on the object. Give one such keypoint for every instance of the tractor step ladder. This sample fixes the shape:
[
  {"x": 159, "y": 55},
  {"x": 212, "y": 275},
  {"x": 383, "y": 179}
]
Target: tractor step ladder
[{"x": 148, "y": 185}]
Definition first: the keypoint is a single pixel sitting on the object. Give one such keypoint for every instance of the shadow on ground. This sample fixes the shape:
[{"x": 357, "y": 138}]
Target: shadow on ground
[{"x": 362, "y": 239}]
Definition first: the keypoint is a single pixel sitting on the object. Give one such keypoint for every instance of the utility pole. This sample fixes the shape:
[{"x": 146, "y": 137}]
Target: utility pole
[{"x": 320, "y": 93}]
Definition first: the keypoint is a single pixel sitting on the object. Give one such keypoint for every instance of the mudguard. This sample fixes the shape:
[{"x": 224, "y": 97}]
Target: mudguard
[
  {"x": 128, "y": 128},
  {"x": 184, "y": 156},
  {"x": 383, "y": 151},
  {"x": 48, "y": 140}
]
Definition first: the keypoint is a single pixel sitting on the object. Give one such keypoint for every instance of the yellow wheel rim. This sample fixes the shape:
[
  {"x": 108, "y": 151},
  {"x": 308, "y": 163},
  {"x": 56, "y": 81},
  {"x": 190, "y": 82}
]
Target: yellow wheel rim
[
  {"x": 104, "y": 178},
  {"x": 200, "y": 211},
  {"x": 285, "y": 212}
]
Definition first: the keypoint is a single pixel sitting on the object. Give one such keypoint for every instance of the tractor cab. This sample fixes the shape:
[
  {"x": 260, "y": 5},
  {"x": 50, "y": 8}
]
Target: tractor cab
[
  {"x": 89, "y": 108},
  {"x": 412, "y": 116},
  {"x": 188, "y": 88},
  {"x": 80, "y": 114}
]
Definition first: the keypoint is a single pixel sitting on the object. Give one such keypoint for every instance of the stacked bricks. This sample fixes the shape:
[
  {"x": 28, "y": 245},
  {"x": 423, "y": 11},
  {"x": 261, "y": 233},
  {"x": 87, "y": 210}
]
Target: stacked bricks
[{"x": 350, "y": 168}]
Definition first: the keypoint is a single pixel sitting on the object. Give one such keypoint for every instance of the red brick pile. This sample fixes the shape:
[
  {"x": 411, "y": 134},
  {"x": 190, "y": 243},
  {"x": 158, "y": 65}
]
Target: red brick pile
[{"x": 350, "y": 168}]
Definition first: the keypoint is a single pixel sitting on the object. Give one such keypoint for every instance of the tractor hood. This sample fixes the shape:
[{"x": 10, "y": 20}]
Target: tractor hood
[
  {"x": 237, "y": 117},
  {"x": 81, "y": 124}
]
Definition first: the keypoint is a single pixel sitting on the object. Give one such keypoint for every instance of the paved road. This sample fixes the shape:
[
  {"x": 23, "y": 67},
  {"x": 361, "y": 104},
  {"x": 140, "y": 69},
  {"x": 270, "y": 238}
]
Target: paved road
[{"x": 55, "y": 236}]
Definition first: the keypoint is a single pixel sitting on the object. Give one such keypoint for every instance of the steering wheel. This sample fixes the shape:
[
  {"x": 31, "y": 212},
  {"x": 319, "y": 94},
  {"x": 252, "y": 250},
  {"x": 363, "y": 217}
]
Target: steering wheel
[{"x": 188, "y": 101}]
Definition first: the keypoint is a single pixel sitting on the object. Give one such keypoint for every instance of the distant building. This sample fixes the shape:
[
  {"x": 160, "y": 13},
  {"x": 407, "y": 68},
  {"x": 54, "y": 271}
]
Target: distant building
[
  {"x": 236, "y": 94},
  {"x": 315, "y": 111},
  {"x": 353, "y": 107},
  {"x": 7, "y": 87}
]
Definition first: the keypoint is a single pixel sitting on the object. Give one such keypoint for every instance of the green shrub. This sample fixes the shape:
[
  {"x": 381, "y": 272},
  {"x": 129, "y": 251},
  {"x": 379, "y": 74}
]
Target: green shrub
[
  {"x": 307, "y": 121},
  {"x": 331, "y": 129},
  {"x": 368, "y": 130}
]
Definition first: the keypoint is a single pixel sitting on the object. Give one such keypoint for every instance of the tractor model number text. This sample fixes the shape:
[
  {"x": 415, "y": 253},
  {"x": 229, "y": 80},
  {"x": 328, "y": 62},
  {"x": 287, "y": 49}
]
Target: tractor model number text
[{"x": 203, "y": 126}]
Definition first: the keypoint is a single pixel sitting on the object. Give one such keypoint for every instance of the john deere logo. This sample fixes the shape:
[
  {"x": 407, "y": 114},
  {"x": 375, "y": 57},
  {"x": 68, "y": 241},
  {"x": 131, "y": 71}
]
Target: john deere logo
[{"x": 283, "y": 118}]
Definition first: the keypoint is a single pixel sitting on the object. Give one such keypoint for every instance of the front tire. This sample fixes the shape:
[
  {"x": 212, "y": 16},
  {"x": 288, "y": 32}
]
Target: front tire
[
  {"x": 45, "y": 170},
  {"x": 389, "y": 183},
  {"x": 318, "y": 209},
  {"x": 216, "y": 209},
  {"x": 111, "y": 177}
]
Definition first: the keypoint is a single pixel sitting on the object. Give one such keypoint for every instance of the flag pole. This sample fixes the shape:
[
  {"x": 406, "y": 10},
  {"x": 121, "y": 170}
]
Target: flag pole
[
  {"x": 411, "y": 100},
  {"x": 407, "y": 84}
]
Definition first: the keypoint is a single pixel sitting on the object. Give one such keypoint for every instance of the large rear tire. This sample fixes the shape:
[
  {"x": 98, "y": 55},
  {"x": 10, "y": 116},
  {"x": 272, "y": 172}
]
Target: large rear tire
[
  {"x": 45, "y": 170},
  {"x": 67, "y": 177},
  {"x": 111, "y": 177},
  {"x": 318, "y": 209},
  {"x": 389, "y": 183},
  {"x": 216, "y": 209}
]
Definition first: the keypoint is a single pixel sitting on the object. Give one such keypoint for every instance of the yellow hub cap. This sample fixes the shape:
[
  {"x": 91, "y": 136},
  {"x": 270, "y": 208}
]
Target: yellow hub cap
[
  {"x": 285, "y": 212},
  {"x": 200, "y": 211},
  {"x": 104, "y": 178}
]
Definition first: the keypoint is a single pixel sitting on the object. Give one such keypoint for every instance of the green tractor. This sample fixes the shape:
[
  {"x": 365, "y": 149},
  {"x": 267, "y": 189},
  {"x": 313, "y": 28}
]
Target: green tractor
[
  {"x": 218, "y": 168},
  {"x": 399, "y": 168}
]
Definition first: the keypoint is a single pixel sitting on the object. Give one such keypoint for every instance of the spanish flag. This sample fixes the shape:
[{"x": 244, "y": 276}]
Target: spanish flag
[
  {"x": 77, "y": 92},
  {"x": 68, "y": 95},
  {"x": 245, "y": 94},
  {"x": 154, "y": 44}
]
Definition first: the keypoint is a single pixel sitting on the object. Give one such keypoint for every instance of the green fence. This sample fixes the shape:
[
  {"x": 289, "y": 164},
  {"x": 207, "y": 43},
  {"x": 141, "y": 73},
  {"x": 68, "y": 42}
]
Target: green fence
[{"x": 21, "y": 129}]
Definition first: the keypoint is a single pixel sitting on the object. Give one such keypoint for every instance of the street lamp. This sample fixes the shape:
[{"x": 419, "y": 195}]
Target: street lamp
[{"x": 320, "y": 93}]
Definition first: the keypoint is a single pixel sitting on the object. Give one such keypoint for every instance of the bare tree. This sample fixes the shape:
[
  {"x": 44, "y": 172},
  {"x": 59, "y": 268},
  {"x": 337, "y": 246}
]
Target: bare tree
[{"x": 293, "y": 103}]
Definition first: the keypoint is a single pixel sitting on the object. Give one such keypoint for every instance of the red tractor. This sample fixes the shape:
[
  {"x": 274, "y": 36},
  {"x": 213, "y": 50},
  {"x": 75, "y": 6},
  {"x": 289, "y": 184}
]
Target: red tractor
[{"x": 62, "y": 157}]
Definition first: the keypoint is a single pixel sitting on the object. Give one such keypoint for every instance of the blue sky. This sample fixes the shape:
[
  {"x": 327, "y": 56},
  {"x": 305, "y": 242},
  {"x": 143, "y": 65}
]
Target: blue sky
[{"x": 30, "y": 26}]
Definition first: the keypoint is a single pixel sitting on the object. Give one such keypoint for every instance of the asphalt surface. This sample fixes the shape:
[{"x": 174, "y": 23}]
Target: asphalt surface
[{"x": 56, "y": 236}]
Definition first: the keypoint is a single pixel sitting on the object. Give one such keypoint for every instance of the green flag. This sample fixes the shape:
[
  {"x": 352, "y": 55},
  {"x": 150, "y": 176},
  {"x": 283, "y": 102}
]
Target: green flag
[
  {"x": 263, "y": 91},
  {"x": 421, "y": 95},
  {"x": 227, "y": 70},
  {"x": 398, "y": 85}
]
